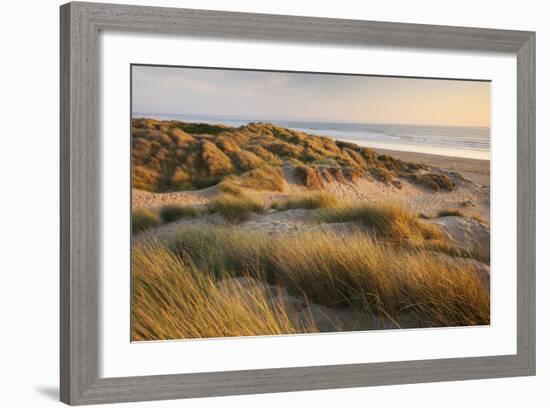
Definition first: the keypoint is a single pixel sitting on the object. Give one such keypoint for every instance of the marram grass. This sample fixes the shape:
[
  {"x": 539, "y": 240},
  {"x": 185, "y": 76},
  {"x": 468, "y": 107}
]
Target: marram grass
[
  {"x": 171, "y": 299},
  {"x": 175, "y": 294}
]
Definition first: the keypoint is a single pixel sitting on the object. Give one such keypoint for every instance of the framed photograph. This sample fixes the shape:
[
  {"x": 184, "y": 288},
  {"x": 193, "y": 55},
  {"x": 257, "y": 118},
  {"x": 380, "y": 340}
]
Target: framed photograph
[{"x": 262, "y": 203}]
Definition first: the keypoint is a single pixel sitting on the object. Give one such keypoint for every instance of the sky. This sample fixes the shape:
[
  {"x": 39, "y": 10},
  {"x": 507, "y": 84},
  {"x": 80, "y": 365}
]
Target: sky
[{"x": 264, "y": 95}]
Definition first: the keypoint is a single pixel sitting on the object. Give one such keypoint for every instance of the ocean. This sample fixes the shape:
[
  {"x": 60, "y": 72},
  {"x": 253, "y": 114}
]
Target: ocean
[{"x": 455, "y": 141}]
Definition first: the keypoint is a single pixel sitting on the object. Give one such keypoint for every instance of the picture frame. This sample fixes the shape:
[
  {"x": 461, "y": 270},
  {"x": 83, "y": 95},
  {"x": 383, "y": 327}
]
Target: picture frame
[{"x": 81, "y": 24}]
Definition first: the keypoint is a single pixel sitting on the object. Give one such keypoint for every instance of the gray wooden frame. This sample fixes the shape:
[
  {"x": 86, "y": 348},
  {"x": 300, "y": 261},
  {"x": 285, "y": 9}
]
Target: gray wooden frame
[{"x": 80, "y": 234}]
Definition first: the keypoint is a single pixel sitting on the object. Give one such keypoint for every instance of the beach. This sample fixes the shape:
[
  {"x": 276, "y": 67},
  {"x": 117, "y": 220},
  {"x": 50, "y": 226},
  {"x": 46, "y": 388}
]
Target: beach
[
  {"x": 476, "y": 170},
  {"x": 293, "y": 233}
]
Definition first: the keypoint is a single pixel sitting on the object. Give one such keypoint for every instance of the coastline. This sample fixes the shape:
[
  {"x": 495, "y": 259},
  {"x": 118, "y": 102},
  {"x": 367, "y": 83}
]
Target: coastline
[
  {"x": 452, "y": 152},
  {"x": 476, "y": 170}
]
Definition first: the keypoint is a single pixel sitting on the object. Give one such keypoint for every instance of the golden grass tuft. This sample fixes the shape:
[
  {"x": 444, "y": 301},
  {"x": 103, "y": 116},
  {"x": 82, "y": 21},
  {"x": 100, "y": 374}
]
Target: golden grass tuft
[
  {"x": 265, "y": 178},
  {"x": 435, "y": 182},
  {"x": 284, "y": 149},
  {"x": 395, "y": 224},
  {"x": 309, "y": 177},
  {"x": 390, "y": 222},
  {"x": 229, "y": 186},
  {"x": 357, "y": 271},
  {"x": 265, "y": 155},
  {"x": 235, "y": 209},
  {"x": 245, "y": 160},
  {"x": 214, "y": 160},
  {"x": 172, "y": 299},
  {"x": 382, "y": 175},
  {"x": 353, "y": 270}
]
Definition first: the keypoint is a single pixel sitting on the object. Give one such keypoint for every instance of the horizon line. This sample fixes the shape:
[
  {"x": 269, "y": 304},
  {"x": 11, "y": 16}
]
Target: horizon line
[{"x": 254, "y": 119}]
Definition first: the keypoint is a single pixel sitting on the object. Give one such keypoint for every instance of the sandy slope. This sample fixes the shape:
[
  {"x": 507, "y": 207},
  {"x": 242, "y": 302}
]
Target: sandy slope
[{"x": 472, "y": 196}]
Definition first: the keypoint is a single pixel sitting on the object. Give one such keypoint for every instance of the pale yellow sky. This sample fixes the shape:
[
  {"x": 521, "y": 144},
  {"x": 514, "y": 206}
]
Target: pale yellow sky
[{"x": 317, "y": 97}]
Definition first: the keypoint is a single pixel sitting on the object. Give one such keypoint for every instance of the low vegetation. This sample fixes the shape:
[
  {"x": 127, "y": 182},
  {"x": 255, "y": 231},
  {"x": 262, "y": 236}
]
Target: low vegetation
[
  {"x": 235, "y": 209},
  {"x": 353, "y": 270},
  {"x": 231, "y": 187},
  {"x": 394, "y": 224},
  {"x": 144, "y": 219},
  {"x": 309, "y": 177},
  {"x": 389, "y": 222},
  {"x": 383, "y": 175},
  {"x": 171, "y": 213},
  {"x": 174, "y": 156},
  {"x": 172, "y": 299},
  {"x": 264, "y": 178},
  {"x": 433, "y": 181}
]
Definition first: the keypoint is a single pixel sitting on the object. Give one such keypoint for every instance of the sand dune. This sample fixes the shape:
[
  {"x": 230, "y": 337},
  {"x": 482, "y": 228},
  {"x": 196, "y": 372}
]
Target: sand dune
[
  {"x": 472, "y": 198},
  {"x": 434, "y": 212}
]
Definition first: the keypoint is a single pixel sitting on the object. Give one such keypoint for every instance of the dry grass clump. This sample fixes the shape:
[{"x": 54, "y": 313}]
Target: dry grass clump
[
  {"x": 390, "y": 222},
  {"x": 395, "y": 224},
  {"x": 435, "y": 182},
  {"x": 171, "y": 213},
  {"x": 143, "y": 219},
  {"x": 225, "y": 250},
  {"x": 245, "y": 160},
  {"x": 311, "y": 201},
  {"x": 214, "y": 160},
  {"x": 351, "y": 270},
  {"x": 144, "y": 179},
  {"x": 265, "y": 178},
  {"x": 235, "y": 209},
  {"x": 285, "y": 150},
  {"x": 356, "y": 271},
  {"x": 265, "y": 155},
  {"x": 227, "y": 144},
  {"x": 172, "y": 299},
  {"x": 309, "y": 177},
  {"x": 332, "y": 174},
  {"x": 229, "y": 186},
  {"x": 382, "y": 175}
]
